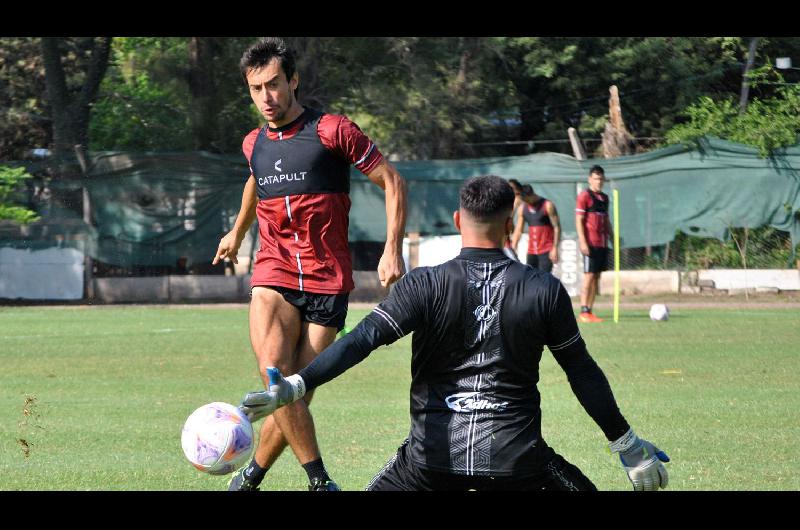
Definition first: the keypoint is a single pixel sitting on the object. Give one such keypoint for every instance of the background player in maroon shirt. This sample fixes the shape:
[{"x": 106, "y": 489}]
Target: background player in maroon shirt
[
  {"x": 594, "y": 231},
  {"x": 298, "y": 190},
  {"x": 544, "y": 229}
]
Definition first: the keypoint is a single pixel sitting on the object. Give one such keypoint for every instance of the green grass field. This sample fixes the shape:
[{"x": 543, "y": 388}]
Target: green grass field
[{"x": 99, "y": 395}]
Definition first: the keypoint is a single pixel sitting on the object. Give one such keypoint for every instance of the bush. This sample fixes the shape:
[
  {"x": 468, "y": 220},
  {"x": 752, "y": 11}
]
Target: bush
[{"x": 11, "y": 180}]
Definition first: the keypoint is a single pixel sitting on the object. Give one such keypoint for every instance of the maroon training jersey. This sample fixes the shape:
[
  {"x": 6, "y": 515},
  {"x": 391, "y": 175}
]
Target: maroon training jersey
[
  {"x": 594, "y": 207},
  {"x": 540, "y": 229},
  {"x": 302, "y": 178}
]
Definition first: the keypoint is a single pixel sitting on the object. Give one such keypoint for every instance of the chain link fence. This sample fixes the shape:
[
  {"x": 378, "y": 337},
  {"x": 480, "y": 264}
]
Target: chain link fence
[{"x": 764, "y": 247}]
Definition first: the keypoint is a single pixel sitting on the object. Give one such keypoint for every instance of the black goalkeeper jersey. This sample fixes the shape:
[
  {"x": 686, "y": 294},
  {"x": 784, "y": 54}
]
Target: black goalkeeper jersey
[{"x": 480, "y": 323}]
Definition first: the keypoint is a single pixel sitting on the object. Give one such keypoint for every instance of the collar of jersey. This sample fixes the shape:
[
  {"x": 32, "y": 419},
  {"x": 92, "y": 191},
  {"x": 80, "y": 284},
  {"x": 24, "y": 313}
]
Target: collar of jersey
[
  {"x": 482, "y": 254},
  {"x": 291, "y": 125}
]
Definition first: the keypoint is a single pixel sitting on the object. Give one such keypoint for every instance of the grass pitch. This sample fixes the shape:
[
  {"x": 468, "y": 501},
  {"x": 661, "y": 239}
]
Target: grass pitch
[{"x": 94, "y": 398}]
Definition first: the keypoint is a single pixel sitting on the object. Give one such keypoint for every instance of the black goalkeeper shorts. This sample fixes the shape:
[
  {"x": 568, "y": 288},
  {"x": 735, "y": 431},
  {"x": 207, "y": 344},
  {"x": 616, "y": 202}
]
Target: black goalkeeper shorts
[{"x": 401, "y": 474}]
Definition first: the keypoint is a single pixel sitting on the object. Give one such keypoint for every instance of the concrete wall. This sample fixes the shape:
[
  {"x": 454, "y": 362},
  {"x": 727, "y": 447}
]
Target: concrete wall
[
  {"x": 48, "y": 274},
  {"x": 199, "y": 288},
  {"x": 784, "y": 280},
  {"x": 162, "y": 289},
  {"x": 641, "y": 282}
]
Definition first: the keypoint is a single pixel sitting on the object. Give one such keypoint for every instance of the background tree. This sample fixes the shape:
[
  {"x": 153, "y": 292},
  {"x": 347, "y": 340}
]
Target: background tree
[
  {"x": 418, "y": 97},
  {"x": 769, "y": 121},
  {"x": 564, "y": 82},
  {"x": 74, "y": 69},
  {"x": 24, "y": 120}
]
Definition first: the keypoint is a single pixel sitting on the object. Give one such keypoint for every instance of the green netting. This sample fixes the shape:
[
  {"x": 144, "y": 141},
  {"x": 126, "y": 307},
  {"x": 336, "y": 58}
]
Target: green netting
[
  {"x": 152, "y": 208},
  {"x": 702, "y": 189}
]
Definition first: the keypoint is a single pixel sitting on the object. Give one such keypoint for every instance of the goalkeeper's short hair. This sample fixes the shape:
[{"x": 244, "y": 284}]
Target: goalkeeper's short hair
[{"x": 486, "y": 198}]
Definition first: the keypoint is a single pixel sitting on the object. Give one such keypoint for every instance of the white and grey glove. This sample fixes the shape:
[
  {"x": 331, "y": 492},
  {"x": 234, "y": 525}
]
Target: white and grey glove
[
  {"x": 281, "y": 391},
  {"x": 642, "y": 462}
]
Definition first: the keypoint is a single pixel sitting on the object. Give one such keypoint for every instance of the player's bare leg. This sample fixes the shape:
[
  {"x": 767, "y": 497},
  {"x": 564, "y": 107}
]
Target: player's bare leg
[
  {"x": 313, "y": 339},
  {"x": 272, "y": 442},
  {"x": 280, "y": 339},
  {"x": 588, "y": 291},
  {"x": 274, "y": 334}
]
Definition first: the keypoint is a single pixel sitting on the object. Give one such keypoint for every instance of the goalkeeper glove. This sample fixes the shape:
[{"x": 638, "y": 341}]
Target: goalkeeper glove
[
  {"x": 281, "y": 391},
  {"x": 642, "y": 462}
]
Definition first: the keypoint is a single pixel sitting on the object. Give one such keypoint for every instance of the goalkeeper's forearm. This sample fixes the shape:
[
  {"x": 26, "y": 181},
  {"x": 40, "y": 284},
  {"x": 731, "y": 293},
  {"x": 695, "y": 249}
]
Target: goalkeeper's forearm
[
  {"x": 342, "y": 355},
  {"x": 590, "y": 386}
]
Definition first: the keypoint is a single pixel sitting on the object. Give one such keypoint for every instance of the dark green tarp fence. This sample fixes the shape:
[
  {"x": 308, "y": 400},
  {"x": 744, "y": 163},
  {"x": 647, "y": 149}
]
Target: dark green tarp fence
[{"x": 151, "y": 208}]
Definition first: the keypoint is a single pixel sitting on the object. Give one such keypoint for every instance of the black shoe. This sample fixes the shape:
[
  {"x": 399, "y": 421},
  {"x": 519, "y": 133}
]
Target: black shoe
[
  {"x": 239, "y": 483},
  {"x": 323, "y": 485}
]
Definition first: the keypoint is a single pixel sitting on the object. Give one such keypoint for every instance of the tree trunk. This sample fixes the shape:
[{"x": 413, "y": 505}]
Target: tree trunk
[
  {"x": 203, "y": 89},
  {"x": 71, "y": 108},
  {"x": 751, "y": 57},
  {"x": 617, "y": 141}
]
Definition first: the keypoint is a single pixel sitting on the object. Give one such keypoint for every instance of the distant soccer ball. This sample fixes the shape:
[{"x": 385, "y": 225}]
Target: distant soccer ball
[
  {"x": 217, "y": 438},
  {"x": 659, "y": 312}
]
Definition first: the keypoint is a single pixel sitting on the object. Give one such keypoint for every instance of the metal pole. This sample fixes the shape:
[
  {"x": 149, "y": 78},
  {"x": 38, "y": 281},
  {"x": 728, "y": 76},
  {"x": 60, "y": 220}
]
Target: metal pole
[
  {"x": 88, "y": 279},
  {"x": 615, "y": 193}
]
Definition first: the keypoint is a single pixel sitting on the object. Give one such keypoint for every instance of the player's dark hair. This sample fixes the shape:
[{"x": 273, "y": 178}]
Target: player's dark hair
[
  {"x": 597, "y": 170},
  {"x": 515, "y": 185},
  {"x": 262, "y": 52},
  {"x": 527, "y": 189},
  {"x": 487, "y": 197}
]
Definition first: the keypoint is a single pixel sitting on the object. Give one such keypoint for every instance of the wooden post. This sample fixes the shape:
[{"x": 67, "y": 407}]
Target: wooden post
[
  {"x": 413, "y": 250},
  {"x": 577, "y": 145}
]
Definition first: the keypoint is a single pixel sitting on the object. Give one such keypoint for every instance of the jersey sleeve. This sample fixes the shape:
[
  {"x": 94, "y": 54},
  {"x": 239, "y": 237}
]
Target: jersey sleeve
[
  {"x": 399, "y": 314},
  {"x": 343, "y": 137},
  {"x": 582, "y": 203},
  {"x": 587, "y": 380},
  {"x": 562, "y": 328},
  {"x": 248, "y": 144},
  {"x": 402, "y": 311}
]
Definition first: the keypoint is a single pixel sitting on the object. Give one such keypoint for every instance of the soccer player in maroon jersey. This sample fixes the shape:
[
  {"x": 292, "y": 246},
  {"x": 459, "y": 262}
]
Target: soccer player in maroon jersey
[
  {"x": 594, "y": 231},
  {"x": 544, "y": 229},
  {"x": 298, "y": 190}
]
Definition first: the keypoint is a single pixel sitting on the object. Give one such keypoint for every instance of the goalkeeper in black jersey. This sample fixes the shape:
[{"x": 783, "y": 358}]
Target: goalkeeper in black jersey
[{"x": 480, "y": 323}]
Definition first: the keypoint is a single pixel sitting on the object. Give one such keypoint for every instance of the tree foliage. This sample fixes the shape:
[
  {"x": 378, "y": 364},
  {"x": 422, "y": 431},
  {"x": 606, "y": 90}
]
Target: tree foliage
[
  {"x": 418, "y": 97},
  {"x": 24, "y": 118},
  {"x": 564, "y": 82},
  {"x": 11, "y": 180},
  {"x": 768, "y": 122},
  {"x": 172, "y": 94}
]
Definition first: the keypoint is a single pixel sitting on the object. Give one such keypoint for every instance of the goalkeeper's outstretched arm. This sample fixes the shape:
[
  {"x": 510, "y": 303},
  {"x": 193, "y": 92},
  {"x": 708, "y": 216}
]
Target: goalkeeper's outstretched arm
[
  {"x": 641, "y": 459},
  {"x": 396, "y": 316}
]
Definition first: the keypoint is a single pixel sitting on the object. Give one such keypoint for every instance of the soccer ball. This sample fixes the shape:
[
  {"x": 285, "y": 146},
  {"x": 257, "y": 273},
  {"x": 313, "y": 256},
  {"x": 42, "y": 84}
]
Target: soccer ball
[
  {"x": 659, "y": 312},
  {"x": 217, "y": 438}
]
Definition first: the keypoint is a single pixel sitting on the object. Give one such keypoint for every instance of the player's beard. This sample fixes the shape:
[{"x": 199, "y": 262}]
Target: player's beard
[{"x": 278, "y": 118}]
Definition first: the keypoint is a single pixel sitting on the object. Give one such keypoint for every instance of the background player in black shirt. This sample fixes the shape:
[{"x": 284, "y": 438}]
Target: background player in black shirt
[{"x": 480, "y": 323}]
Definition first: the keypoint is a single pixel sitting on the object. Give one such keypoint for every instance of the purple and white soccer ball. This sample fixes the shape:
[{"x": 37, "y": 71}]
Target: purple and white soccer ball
[
  {"x": 659, "y": 312},
  {"x": 217, "y": 438}
]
